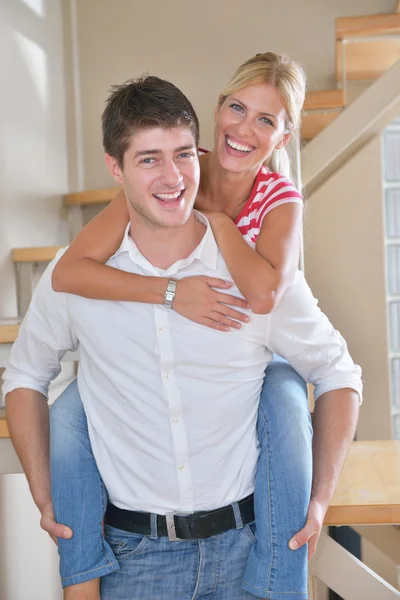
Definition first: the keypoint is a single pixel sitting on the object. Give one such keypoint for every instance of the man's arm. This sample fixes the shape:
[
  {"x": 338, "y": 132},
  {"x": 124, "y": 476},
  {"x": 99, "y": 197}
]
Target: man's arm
[
  {"x": 304, "y": 336},
  {"x": 334, "y": 423},
  {"x": 28, "y": 422},
  {"x": 45, "y": 335}
]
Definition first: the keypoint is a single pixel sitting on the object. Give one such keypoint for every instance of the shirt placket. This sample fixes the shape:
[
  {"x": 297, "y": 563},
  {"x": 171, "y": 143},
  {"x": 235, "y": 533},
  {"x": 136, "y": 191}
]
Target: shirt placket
[{"x": 162, "y": 318}]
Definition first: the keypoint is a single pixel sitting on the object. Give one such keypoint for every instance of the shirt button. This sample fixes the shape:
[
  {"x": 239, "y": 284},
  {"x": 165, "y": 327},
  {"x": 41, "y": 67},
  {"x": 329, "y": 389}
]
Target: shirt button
[
  {"x": 182, "y": 468},
  {"x": 166, "y": 375},
  {"x": 175, "y": 420},
  {"x": 161, "y": 330}
]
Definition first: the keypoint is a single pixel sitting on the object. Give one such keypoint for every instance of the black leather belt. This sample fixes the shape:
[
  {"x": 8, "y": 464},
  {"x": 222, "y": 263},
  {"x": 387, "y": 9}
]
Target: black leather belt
[{"x": 196, "y": 526}]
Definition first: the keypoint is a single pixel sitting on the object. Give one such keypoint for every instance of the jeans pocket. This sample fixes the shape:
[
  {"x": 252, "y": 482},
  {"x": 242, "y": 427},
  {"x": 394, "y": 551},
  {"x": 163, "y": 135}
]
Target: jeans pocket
[
  {"x": 250, "y": 530},
  {"x": 125, "y": 544}
]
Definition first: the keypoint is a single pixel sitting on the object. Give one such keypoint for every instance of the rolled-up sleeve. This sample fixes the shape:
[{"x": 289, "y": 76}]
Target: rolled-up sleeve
[
  {"x": 45, "y": 336},
  {"x": 302, "y": 334}
]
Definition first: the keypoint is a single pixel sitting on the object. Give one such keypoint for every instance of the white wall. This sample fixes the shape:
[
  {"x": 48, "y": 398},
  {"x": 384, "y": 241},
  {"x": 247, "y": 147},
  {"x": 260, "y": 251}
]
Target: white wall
[
  {"x": 345, "y": 267},
  {"x": 33, "y": 175}
]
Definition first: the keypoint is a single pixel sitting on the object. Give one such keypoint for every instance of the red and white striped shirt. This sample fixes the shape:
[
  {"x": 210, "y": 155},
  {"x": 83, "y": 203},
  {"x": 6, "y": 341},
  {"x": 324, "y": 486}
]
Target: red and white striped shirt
[{"x": 269, "y": 191}]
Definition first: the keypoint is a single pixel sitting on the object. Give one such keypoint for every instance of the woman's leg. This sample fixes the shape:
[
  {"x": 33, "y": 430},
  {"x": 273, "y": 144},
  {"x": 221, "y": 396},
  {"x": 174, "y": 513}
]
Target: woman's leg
[
  {"x": 79, "y": 495},
  {"x": 282, "y": 488}
]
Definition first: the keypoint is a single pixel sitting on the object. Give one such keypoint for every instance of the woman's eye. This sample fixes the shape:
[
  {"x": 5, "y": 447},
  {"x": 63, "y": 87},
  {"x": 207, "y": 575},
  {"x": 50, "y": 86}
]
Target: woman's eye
[
  {"x": 237, "y": 107},
  {"x": 266, "y": 121}
]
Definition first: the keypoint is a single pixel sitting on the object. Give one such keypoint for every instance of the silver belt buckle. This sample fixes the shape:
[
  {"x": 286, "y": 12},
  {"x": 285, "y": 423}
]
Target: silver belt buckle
[{"x": 170, "y": 519}]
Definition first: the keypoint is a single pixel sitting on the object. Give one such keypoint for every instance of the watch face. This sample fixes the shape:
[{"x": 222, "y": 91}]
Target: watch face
[{"x": 169, "y": 296}]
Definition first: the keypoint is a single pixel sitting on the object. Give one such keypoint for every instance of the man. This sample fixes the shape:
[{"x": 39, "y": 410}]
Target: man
[{"x": 171, "y": 406}]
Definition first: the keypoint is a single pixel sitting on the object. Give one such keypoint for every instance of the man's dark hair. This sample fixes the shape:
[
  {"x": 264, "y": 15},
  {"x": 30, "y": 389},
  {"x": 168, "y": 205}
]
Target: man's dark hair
[{"x": 140, "y": 104}]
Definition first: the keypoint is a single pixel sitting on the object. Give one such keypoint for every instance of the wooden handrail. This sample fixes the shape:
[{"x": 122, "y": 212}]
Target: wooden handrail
[
  {"x": 322, "y": 99},
  {"x": 36, "y": 255},
  {"x": 99, "y": 196},
  {"x": 350, "y": 27}
]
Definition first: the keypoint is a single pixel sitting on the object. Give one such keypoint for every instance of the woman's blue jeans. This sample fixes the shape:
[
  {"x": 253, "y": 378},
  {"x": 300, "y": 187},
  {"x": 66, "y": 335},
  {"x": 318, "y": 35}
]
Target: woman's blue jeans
[{"x": 281, "y": 495}]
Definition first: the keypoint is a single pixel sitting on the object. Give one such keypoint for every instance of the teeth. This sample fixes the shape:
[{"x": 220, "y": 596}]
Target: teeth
[
  {"x": 169, "y": 196},
  {"x": 236, "y": 146}
]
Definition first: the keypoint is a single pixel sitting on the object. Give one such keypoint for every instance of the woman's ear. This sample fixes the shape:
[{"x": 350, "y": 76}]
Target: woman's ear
[{"x": 284, "y": 141}]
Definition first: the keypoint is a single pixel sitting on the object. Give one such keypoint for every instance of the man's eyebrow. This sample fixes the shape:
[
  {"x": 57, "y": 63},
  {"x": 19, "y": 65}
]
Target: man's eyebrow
[
  {"x": 158, "y": 151},
  {"x": 145, "y": 152},
  {"x": 188, "y": 147}
]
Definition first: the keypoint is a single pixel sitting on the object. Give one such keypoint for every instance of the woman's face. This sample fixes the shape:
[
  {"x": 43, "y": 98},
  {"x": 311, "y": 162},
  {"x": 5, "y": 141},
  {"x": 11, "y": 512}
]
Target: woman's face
[{"x": 249, "y": 125}]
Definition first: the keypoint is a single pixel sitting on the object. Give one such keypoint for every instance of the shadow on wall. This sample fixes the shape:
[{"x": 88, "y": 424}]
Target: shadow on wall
[{"x": 33, "y": 133}]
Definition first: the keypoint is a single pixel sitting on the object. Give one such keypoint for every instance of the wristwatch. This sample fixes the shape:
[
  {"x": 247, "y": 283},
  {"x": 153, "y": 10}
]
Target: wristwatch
[{"x": 170, "y": 293}]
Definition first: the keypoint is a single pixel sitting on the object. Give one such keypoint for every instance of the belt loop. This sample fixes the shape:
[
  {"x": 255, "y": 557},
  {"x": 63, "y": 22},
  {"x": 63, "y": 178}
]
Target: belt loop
[
  {"x": 153, "y": 526},
  {"x": 238, "y": 515}
]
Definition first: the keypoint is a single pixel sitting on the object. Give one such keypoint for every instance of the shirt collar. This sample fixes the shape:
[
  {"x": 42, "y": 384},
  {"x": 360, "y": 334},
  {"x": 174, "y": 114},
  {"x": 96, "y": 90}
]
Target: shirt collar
[{"x": 206, "y": 252}]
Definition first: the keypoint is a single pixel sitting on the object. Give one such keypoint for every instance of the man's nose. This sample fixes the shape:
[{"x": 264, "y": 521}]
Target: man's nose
[{"x": 171, "y": 175}]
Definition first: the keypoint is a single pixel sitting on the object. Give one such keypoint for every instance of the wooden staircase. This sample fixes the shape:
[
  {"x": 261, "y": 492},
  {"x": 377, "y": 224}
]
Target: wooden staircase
[{"x": 366, "y": 47}]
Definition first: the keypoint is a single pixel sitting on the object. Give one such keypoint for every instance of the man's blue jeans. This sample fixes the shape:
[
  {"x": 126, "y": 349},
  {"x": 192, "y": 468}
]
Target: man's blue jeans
[{"x": 281, "y": 495}]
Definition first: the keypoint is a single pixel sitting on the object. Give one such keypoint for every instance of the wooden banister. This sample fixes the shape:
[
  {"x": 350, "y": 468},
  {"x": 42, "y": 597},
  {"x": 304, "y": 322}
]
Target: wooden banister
[
  {"x": 99, "y": 196},
  {"x": 35, "y": 255}
]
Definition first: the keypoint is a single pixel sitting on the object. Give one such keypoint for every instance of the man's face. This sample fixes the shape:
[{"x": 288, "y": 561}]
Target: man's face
[{"x": 160, "y": 175}]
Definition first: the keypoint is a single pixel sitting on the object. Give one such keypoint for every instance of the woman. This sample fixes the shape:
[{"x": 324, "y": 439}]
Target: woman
[{"x": 256, "y": 216}]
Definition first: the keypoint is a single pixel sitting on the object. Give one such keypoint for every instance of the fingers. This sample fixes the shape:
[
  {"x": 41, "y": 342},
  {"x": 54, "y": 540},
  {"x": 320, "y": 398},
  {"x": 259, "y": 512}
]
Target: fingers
[
  {"x": 312, "y": 546},
  {"x": 232, "y": 313},
  {"x": 217, "y": 283},
  {"x": 302, "y": 536},
  {"x": 55, "y": 530},
  {"x": 222, "y": 319},
  {"x": 214, "y": 324},
  {"x": 232, "y": 300}
]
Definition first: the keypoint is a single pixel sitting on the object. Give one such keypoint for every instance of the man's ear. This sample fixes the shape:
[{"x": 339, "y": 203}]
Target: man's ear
[
  {"x": 114, "y": 169},
  {"x": 285, "y": 140}
]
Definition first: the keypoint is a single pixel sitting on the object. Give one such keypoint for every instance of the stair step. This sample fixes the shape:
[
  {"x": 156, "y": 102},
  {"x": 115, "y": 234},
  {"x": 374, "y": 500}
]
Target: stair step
[
  {"x": 92, "y": 197},
  {"x": 322, "y": 99},
  {"x": 351, "y": 27},
  {"x": 313, "y": 123},
  {"x": 367, "y": 60},
  {"x": 35, "y": 255},
  {"x": 8, "y": 333},
  {"x": 4, "y": 433}
]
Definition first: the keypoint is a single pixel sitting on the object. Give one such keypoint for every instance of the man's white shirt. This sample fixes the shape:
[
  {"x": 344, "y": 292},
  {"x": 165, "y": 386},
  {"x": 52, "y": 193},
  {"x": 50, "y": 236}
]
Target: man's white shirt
[{"x": 172, "y": 405}]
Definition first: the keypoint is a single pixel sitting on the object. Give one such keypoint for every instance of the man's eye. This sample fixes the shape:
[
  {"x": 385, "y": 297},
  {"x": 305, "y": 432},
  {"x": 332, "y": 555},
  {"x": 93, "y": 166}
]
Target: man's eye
[
  {"x": 186, "y": 155},
  {"x": 147, "y": 161}
]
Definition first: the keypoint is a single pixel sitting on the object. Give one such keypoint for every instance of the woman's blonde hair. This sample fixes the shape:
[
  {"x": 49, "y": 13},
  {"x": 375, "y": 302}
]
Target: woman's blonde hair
[{"x": 289, "y": 78}]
